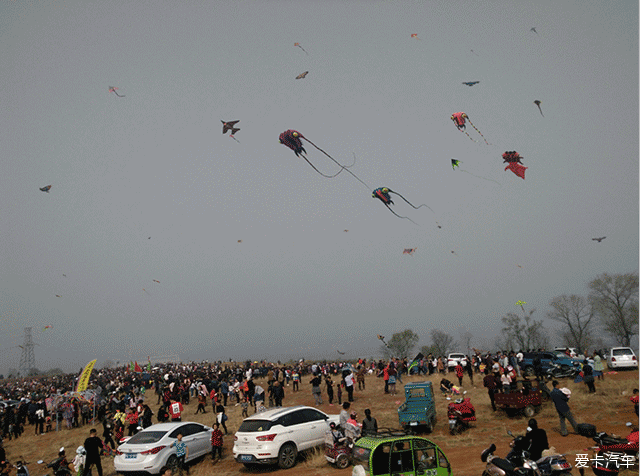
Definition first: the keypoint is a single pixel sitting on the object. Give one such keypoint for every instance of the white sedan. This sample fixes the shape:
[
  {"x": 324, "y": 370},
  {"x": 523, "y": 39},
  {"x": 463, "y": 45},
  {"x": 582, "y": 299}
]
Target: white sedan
[{"x": 150, "y": 449}]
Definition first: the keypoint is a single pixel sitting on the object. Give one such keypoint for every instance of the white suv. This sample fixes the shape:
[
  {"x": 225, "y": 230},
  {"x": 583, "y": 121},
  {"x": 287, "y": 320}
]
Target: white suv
[{"x": 276, "y": 436}]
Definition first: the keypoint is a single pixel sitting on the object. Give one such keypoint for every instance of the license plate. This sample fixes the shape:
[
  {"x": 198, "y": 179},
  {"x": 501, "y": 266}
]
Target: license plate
[
  {"x": 452, "y": 422},
  {"x": 130, "y": 456},
  {"x": 246, "y": 458},
  {"x": 414, "y": 423}
]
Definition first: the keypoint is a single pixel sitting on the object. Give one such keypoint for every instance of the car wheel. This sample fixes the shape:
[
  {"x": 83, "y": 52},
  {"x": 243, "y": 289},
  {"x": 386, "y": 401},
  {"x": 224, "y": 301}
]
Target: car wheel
[
  {"x": 429, "y": 426},
  {"x": 529, "y": 411},
  {"x": 287, "y": 456},
  {"x": 342, "y": 461},
  {"x": 172, "y": 463}
]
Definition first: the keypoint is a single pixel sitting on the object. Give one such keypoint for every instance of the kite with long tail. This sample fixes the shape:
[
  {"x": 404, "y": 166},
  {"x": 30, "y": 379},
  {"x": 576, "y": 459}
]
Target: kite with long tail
[
  {"x": 112, "y": 89},
  {"x": 459, "y": 119},
  {"x": 537, "y": 103},
  {"x": 382, "y": 339},
  {"x": 455, "y": 164},
  {"x": 521, "y": 304},
  {"x": 298, "y": 45},
  {"x": 292, "y": 139},
  {"x": 383, "y": 194}
]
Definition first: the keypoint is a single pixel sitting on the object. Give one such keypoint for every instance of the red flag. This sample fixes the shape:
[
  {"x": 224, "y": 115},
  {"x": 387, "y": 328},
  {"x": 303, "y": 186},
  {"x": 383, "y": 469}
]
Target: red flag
[
  {"x": 517, "y": 169},
  {"x": 137, "y": 368}
]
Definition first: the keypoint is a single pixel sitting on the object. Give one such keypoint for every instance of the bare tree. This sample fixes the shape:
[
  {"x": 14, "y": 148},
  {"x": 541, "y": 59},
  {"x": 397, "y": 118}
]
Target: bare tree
[
  {"x": 401, "y": 344},
  {"x": 441, "y": 342},
  {"x": 465, "y": 339},
  {"x": 615, "y": 301},
  {"x": 576, "y": 315},
  {"x": 524, "y": 332}
]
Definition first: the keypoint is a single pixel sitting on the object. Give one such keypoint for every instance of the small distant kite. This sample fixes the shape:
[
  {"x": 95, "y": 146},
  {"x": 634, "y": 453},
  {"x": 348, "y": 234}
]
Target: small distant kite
[
  {"x": 409, "y": 251},
  {"x": 519, "y": 266},
  {"x": 514, "y": 164},
  {"x": 345, "y": 231},
  {"x": 57, "y": 295},
  {"x": 459, "y": 119},
  {"x": 438, "y": 225},
  {"x": 382, "y": 339},
  {"x": 521, "y": 304},
  {"x": 475, "y": 53},
  {"x": 470, "y": 83},
  {"x": 149, "y": 238},
  {"x": 298, "y": 45},
  {"x": 64, "y": 275},
  {"x": 112, "y": 89},
  {"x": 599, "y": 240},
  {"x": 156, "y": 281},
  {"x": 302, "y": 75},
  {"x": 455, "y": 164},
  {"x": 229, "y": 125},
  {"x": 239, "y": 241},
  {"x": 454, "y": 253},
  {"x": 46, "y": 189},
  {"x": 382, "y": 194},
  {"x": 341, "y": 353},
  {"x": 534, "y": 30},
  {"x": 537, "y": 103},
  {"x": 46, "y": 327},
  {"x": 415, "y": 35}
]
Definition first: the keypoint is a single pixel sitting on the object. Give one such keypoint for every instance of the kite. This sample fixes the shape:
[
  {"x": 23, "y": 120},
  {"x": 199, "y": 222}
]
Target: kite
[
  {"x": 414, "y": 35},
  {"x": 302, "y": 75},
  {"x": 455, "y": 164},
  {"x": 149, "y": 238},
  {"x": 382, "y": 194},
  {"x": 453, "y": 253},
  {"x": 298, "y": 45},
  {"x": 46, "y": 327},
  {"x": 475, "y": 53},
  {"x": 239, "y": 241},
  {"x": 229, "y": 125},
  {"x": 521, "y": 304},
  {"x": 519, "y": 266},
  {"x": 341, "y": 353},
  {"x": 64, "y": 275},
  {"x": 471, "y": 83},
  {"x": 156, "y": 281},
  {"x": 537, "y": 103},
  {"x": 514, "y": 164},
  {"x": 409, "y": 251},
  {"x": 346, "y": 231},
  {"x": 534, "y": 30},
  {"x": 292, "y": 139},
  {"x": 46, "y": 189},
  {"x": 438, "y": 225},
  {"x": 57, "y": 295},
  {"x": 112, "y": 89},
  {"x": 459, "y": 119},
  {"x": 382, "y": 339},
  {"x": 599, "y": 240}
]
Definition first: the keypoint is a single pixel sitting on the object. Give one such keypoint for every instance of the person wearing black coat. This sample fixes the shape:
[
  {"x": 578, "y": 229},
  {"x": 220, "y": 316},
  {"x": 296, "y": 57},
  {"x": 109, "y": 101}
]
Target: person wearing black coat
[{"x": 536, "y": 440}]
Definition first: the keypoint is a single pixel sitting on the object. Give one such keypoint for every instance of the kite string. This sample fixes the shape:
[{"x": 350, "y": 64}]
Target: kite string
[
  {"x": 339, "y": 164},
  {"x": 314, "y": 168},
  {"x": 423, "y": 205},
  {"x": 478, "y": 176},
  {"x": 485, "y": 140}
]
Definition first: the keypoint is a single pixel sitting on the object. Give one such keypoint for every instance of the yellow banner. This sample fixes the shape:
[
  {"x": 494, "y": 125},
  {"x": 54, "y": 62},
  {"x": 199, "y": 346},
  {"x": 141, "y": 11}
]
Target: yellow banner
[{"x": 83, "y": 381}]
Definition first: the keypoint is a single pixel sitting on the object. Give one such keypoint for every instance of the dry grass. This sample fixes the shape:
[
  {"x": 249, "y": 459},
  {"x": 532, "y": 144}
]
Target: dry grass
[{"x": 609, "y": 409}]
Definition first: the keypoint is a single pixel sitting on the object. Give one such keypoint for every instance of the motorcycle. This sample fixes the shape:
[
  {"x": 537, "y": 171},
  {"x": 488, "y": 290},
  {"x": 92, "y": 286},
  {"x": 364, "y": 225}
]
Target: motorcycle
[
  {"x": 612, "y": 453},
  {"x": 554, "y": 465},
  {"x": 460, "y": 414},
  {"x": 518, "y": 462},
  {"x": 561, "y": 371},
  {"x": 59, "y": 469}
]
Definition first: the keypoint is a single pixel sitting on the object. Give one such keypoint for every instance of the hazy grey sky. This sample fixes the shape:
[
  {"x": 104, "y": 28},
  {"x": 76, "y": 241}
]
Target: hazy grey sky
[{"x": 155, "y": 164}]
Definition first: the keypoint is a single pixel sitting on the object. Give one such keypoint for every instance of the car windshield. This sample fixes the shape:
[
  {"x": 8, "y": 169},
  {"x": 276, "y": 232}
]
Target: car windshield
[
  {"x": 251, "y": 426},
  {"x": 622, "y": 352},
  {"x": 146, "y": 437},
  {"x": 361, "y": 456}
]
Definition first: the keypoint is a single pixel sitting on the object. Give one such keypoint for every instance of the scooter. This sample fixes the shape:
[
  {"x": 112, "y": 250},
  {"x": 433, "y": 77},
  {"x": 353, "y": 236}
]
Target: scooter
[
  {"x": 554, "y": 465},
  {"x": 517, "y": 464},
  {"x": 612, "y": 453},
  {"x": 460, "y": 414}
]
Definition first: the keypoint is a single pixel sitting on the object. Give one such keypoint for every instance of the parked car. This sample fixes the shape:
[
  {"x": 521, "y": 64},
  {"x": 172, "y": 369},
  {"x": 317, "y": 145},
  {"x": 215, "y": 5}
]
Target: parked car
[
  {"x": 150, "y": 449},
  {"x": 419, "y": 408},
  {"x": 622, "y": 358},
  {"x": 546, "y": 358},
  {"x": 278, "y": 435},
  {"x": 395, "y": 452},
  {"x": 453, "y": 359},
  {"x": 573, "y": 352}
]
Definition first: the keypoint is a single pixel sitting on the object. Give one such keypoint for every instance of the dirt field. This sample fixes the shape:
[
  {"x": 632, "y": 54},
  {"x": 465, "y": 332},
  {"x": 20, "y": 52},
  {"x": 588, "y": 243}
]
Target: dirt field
[{"x": 609, "y": 409}]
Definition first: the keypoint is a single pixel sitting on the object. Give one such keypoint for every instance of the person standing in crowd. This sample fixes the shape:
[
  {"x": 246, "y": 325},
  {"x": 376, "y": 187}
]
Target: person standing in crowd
[
  {"x": 216, "y": 442},
  {"x": 329, "y": 383},
  {"x": 369, "y": 424},
  {"x": 348, "y": 383},
  {"x": 560, "y": 399},
  {"x": 489, "y": 382},
  {"x": 107, "y": 430},
  {"x": 182, "y": 452},
  {"x": 315, "y": 388},
  {"x": 93, "y": 447},
  {"x": 459, "y": 369},
  {"x": 598, "y": 366},
  {"x": 278, "y": 393},
  {"x": 175, "y": 410},
  {"x": 537, "y": 440},
  {"x": 202, "y": 401}
]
